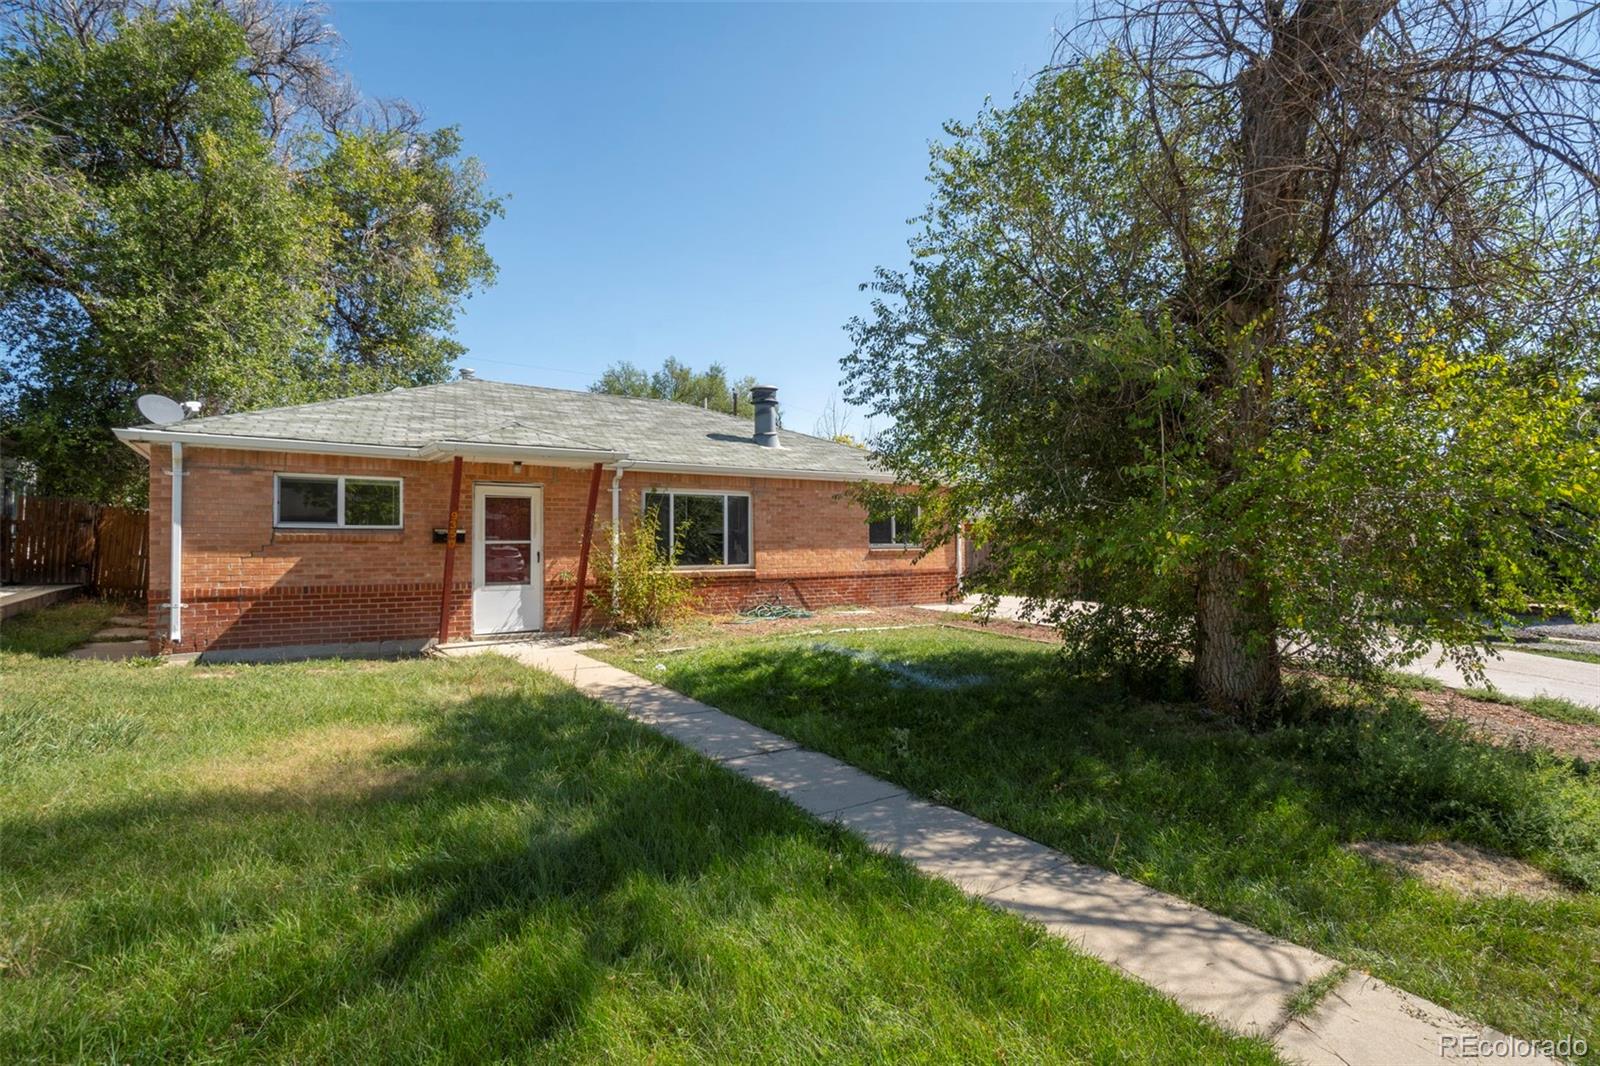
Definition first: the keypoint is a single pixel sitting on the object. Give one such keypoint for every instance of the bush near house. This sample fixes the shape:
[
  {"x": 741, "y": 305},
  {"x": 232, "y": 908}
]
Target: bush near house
[{"x": 642, "y": 590}]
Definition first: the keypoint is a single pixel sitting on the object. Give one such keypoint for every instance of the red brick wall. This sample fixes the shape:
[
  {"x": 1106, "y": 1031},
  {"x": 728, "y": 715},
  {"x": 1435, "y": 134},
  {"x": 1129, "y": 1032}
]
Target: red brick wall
[{"x": 247, "y": 584}]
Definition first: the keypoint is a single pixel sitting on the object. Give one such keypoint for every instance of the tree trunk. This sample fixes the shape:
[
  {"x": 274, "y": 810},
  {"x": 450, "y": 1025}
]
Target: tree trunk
[{"x": 1237, "y": 665}]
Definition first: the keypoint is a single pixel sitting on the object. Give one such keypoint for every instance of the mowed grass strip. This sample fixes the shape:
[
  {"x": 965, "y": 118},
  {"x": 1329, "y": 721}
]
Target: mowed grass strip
[
  {"x": 1250, "y": 825},
  {"x": 468, "y": 861}
]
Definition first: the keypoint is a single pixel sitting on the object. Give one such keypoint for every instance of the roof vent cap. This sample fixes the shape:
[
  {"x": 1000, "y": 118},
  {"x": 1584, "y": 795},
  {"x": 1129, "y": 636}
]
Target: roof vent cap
[{"x": 765, "y": 399}]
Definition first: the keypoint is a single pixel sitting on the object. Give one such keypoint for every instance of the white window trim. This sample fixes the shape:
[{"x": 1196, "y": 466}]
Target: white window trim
[
  {"x": 340, "y": 479},
  {"x": 895, "y": 544},
  {"x": 750, "y": 513}
]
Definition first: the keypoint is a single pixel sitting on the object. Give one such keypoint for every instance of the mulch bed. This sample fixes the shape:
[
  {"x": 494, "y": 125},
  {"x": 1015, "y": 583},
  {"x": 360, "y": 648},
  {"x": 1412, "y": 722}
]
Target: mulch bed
[{"x": 1501, "y": 723}]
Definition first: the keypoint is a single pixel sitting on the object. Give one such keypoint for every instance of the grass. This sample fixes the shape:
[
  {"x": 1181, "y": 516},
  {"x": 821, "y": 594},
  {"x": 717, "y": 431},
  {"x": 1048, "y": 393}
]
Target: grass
[
  {"x": 58, "y": 629},
  {"x": 1575, "y": 654},
  {"x": 1251, "y": 825},
  {"x": 1553, "y": 708},
  {"x": 468, "y": 860}
]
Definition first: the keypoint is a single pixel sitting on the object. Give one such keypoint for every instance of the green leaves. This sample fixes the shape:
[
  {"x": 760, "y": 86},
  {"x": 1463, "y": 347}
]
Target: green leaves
[
  {"x": 155, "y": 238},
  {"x": 678, "y": 381},
  {"x": 1043, "y": 359}
]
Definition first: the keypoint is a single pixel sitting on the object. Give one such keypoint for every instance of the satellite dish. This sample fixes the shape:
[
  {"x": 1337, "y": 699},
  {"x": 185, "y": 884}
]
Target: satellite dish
[{"x": 159, "y": 409}]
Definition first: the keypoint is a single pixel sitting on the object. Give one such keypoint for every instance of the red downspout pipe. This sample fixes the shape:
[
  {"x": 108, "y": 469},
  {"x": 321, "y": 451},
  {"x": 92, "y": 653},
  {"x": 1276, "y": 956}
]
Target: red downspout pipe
[
  {"x": 583, "y": 552},
  {"x": 450, "y": 550}
]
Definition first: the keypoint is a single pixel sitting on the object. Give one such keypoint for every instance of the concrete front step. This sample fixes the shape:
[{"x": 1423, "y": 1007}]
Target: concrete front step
[{"x": 120, "y": 632}]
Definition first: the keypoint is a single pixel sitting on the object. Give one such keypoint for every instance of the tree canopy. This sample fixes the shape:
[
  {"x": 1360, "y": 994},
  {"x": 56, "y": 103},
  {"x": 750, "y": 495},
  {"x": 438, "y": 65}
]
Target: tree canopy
[
  {"x": 678, "y": 381},
  {"x": 1264, "y": 329},
  {"x": 193, "y": 201}
]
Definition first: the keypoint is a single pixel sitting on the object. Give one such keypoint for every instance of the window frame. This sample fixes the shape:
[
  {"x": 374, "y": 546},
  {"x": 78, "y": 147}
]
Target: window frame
[
  {"x": 895, "y": 543},
  {"x": 340, "y": 524},
  {"x": 750, "y": 516}
]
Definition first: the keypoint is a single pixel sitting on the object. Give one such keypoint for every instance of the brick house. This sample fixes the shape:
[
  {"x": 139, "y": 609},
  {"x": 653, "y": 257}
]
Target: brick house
[{"x": 325, "y": 524}]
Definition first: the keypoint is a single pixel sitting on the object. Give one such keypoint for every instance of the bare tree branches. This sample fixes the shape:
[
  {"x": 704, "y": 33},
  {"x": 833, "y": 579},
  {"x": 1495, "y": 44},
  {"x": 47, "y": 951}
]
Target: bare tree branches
[
  {"x": 1415, "y": 147},
  {"x": 293, "y": 58}
]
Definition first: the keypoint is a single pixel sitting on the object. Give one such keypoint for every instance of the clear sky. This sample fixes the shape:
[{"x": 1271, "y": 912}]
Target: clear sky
[{"x": 709, "y": 182}]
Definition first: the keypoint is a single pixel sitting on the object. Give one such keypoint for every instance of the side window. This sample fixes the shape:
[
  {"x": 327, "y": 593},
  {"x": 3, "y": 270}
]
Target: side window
[
  {"x": 326, "y": 501},
  {"x": 308, "y": 501},
  {"x": 708, "y": 529},
  {"x": 895, "y": 527}
]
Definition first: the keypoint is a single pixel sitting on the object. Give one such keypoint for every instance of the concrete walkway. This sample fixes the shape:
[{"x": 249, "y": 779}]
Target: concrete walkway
[
  {"x": 1515, "y": 673},
  {"x": 123, "y": 637},
  {"x": 14, "y": 599},
  {"x": 1209, "y": 964}
]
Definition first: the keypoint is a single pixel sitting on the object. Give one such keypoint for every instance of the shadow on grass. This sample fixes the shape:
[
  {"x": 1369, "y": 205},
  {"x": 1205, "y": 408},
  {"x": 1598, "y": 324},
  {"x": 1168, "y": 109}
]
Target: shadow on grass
[
  {"x": 1106, "y": 775},
  {"x": 506, "y": 807}
]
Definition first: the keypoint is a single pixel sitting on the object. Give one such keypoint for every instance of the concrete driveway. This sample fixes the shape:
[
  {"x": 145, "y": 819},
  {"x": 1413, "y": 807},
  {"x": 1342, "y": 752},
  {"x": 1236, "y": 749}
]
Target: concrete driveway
[{"x": 1514, "y": 673}]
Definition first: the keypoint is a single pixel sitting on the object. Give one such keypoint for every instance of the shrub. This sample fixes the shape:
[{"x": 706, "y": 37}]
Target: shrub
[{"x": 642, "y": 590}]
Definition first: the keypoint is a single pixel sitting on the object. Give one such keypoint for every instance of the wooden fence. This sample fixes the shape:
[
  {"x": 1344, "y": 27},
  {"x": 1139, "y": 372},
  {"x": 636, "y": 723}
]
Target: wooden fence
[{"x": 45, "y": 541}]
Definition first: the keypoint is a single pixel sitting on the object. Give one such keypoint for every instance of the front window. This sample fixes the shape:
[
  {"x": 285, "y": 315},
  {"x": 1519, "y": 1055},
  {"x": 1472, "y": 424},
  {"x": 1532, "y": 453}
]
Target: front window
[
  {"x": 321, "y": 501},
  {"x": 895, "y": 526},
  {"x": 709, "y": 529}
]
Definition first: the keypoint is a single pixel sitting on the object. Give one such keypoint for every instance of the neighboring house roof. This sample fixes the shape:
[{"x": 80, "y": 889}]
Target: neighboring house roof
[{"x": 490, "y": 419}]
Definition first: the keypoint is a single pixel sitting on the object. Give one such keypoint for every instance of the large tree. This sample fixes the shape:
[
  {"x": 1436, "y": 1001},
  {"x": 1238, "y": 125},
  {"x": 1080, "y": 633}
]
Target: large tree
[
  {"x": 1263, "y": 326},
  {"x": 678, "y": 381},
  {"x": 194, "y": 201}
]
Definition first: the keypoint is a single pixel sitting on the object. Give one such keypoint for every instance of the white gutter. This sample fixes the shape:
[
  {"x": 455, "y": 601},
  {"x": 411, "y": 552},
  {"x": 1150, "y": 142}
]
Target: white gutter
[
  {"x": 133, "y": 437},
  {"x": 521, "y": 452},
  {"x": 714, "y": 470},
  {"x": 175, "y": 579},
  {"x": 433, "y": 451}
]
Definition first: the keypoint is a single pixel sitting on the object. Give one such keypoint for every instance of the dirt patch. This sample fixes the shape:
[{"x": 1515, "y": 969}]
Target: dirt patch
[
  {"x": 1501, "y": 723},
  {"x": 333, "y": 762},
  {"x": 1463, "y": 869}
]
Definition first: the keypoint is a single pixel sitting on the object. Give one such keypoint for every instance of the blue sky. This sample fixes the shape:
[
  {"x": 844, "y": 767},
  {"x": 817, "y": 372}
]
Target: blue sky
[{"x": 710, "y": 182}]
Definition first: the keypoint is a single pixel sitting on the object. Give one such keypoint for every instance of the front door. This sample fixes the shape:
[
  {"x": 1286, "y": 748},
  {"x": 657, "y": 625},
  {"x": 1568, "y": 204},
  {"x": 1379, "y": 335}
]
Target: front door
[{"x": 507, "y": 558}]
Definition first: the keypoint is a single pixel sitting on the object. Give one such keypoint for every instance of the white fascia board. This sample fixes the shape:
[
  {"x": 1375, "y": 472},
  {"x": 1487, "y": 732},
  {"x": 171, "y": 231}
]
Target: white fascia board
[
  {"x": 136, "y": 436},
  {"x": 759, "y": 472},
  {"x": 449, "y": 449}
]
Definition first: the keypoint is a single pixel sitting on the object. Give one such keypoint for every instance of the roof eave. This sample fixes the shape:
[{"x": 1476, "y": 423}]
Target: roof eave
[
  {"x": 556, "y": 456},
  {"x": 140, "y": 438},
  {"x": 136, "y": 435},
  {"x": 720, "y": 470}
]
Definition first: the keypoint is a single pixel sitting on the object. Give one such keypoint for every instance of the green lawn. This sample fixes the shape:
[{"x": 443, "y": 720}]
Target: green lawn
[
  {"x": 57, "y": 629},
  {"x": 1249, "y": 825},
  {"x": 469, "y": 861}
]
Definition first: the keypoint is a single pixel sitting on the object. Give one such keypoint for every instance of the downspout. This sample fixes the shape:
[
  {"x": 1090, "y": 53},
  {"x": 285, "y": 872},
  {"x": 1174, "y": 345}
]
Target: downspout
[
  {"x": 961, "y": 555},
  {"x": 616, "y": 532},
  {"x": 175, "y": 568}
]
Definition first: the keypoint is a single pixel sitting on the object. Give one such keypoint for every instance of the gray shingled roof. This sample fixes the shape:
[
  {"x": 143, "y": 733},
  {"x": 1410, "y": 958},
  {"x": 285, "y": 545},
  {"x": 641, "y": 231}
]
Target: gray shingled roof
[{"x": 496, "y": 413}]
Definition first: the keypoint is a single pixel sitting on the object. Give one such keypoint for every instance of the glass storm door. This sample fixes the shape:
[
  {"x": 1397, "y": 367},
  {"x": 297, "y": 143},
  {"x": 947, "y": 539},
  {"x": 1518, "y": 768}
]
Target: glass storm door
[{"x": 507, "y": 559}]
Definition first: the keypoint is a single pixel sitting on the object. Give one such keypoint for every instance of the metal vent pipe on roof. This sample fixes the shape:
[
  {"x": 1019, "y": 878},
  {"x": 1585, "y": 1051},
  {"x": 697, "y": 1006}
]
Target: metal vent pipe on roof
[{"x": 765, "y": 398}]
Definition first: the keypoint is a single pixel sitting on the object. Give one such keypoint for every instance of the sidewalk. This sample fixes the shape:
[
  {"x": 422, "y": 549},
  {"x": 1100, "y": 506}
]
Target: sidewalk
[{"x": 1209, "y": 964}]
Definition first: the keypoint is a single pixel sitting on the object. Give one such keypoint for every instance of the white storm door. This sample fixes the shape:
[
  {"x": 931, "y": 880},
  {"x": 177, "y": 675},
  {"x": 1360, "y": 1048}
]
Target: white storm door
[{"x": 507, "y": 558}]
